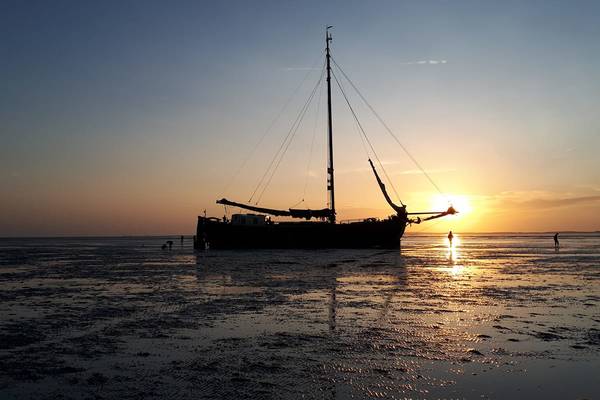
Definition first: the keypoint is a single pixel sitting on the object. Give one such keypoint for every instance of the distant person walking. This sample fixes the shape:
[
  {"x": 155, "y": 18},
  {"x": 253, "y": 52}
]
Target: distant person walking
[
  {"x": 556, "y": 243},
  {"x": 450, "y": 237}
]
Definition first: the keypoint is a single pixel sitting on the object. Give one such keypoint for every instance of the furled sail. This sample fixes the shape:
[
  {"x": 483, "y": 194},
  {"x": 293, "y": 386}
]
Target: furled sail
[
  {"x": 294, "y": 213},
  {"x": 401, "y": 210}
]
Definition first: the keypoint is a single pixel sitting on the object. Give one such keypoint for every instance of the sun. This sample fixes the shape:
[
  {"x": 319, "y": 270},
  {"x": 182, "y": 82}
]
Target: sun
[{"x": 461, "y": 203}]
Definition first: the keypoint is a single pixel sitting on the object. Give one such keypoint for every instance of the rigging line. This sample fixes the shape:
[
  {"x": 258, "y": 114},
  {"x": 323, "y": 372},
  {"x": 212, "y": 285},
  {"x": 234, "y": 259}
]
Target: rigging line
[
  {"x": 290, "y": 132},
  {"x": 390, "y": 132},
  {"x": 283, "y": 153},
  {"x": 299, "y": 122},
  {"x": 360, "y": 135},
  {"x": 261, "y": 181},
  {"x": 301, "y": 201},
  {"x": 312, "y": 143},
  {"x": 366, "y": 137},
  {"x": 357, "y": 125},
  {"x": 271, "y": 125},
  {"x": 362, "y": 140},
  {"x": 291, "y": 138}
]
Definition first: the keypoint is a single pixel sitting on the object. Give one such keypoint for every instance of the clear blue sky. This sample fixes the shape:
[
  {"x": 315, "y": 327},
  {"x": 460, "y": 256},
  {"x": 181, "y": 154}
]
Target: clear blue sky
[{"x": 127, "y": 116}]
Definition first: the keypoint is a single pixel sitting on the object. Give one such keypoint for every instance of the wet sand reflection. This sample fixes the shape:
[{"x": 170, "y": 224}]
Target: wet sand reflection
[{"x": 436, "y": 321}]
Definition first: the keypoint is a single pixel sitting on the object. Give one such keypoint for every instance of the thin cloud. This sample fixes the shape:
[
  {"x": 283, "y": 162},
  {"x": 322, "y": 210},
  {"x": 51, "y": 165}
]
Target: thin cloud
[
  {"x": 558, "y": 202},
  {"x": 429, "y": 171},
  {"x": 589, "y": 186},
  {"x": 365, "y": 167},
  {"x": 425, "y": 62},
  {"x": 540, "y": 200},
  {"x": 301, "y": 69}
]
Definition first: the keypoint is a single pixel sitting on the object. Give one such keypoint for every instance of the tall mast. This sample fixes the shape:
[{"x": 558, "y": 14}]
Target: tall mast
[{"x": 330, "y": 185}]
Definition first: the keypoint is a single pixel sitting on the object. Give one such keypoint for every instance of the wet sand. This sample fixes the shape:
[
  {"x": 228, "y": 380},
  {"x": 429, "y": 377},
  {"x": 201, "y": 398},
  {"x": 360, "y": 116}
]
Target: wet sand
[{"x": 494, "y": 317}]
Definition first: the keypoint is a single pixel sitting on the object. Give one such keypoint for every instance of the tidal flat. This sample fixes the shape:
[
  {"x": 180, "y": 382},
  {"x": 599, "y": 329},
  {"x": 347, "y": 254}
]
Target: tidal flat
[{"x": 493, "y": 316}]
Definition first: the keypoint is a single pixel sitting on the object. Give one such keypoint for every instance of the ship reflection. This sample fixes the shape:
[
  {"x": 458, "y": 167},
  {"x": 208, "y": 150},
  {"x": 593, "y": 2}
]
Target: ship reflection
[
  {"x": 332, "y": 307},
  {"x": 398, "y": 285},
  {"x": 391, "y": 282}
]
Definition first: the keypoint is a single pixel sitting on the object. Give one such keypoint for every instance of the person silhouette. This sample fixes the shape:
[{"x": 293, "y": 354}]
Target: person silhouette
[
  {"x": 556, "y": 243},
  {"x": 450, "y": 237}
]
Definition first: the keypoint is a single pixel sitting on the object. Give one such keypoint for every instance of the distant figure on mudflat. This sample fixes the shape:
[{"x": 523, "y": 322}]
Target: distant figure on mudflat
[
  {"x": 164, "y": 246},
  {"x": 556, "y": 244},
  {"x": 182, "y": 240},
  {"x": 450, "y": 237},
  {"x": 170, "y": 243}
]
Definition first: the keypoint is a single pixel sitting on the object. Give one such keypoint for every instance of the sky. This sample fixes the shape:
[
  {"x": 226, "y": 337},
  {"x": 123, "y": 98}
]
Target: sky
[{"x": 133, "y": 117}]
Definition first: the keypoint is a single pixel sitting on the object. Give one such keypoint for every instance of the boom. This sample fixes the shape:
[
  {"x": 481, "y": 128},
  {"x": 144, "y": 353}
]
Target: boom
[{"x": 292, "y": 212}]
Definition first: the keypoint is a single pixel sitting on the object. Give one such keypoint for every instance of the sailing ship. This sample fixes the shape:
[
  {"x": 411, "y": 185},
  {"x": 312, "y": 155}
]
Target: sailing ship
[{"x": 319, "y": 228}]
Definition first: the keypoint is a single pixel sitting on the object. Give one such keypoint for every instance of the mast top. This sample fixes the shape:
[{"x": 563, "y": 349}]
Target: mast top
[{"x": 330, "y": 176}]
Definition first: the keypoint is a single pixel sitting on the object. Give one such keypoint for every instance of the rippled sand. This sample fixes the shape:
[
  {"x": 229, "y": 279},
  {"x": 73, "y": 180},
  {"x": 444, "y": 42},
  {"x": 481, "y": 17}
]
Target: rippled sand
[{"x": 494, "y": 317}]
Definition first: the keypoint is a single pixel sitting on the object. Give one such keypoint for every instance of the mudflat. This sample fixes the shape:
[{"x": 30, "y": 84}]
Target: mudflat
[{"x": 493, "y": 316}]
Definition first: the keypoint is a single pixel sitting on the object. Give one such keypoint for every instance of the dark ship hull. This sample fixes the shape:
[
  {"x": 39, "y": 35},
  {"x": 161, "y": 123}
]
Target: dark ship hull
[{"x": 215, "y": 234}]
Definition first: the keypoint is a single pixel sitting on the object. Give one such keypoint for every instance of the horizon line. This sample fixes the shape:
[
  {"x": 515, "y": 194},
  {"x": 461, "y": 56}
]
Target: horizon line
[{"x": 74, "y": 236}]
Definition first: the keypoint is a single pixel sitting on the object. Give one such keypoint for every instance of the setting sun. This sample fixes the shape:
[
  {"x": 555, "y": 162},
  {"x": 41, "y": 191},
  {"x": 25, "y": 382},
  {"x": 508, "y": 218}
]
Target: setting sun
[{"x": 461, "y": 203}]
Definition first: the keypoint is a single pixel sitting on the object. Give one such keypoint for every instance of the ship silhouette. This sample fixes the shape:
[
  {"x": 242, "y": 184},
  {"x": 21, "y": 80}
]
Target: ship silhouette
[{"x": 319, "y": 228}]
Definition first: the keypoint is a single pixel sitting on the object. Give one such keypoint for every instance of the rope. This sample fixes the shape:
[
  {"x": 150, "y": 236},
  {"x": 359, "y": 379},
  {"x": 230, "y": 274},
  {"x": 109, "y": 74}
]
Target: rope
[
  {"x": 274, "y": 157},
  {"x": 312, "y": 143},
  {"x": 301, "y": 201},
  {"x": 366, "y": 137},
  {"x": 271, "y": 125},
  {"x": 362, "y": 140},
  {"x": 290, "y": 141},
  {"x": 286, "y": 143},
  {"x": 390, "y": 131}
]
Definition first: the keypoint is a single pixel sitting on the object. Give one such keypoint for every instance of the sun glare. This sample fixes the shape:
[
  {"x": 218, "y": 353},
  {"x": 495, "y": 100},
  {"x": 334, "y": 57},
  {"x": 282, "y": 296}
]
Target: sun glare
[{"x": 461, "y": 203}]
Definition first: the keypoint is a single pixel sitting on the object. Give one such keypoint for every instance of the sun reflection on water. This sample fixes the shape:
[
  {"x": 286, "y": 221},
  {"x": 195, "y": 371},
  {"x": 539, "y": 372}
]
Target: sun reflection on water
[{"x": 452, "y": 249}]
